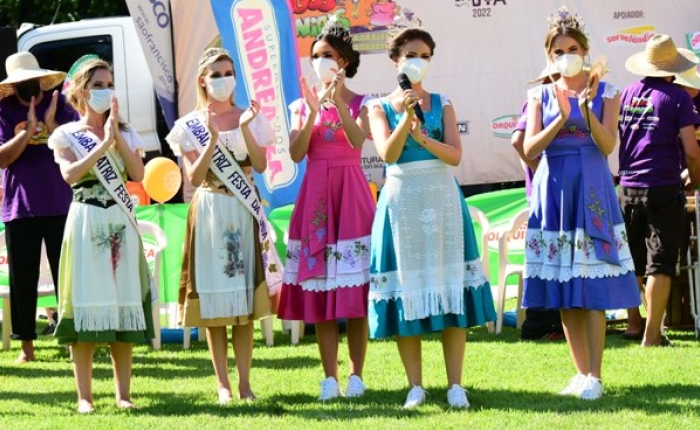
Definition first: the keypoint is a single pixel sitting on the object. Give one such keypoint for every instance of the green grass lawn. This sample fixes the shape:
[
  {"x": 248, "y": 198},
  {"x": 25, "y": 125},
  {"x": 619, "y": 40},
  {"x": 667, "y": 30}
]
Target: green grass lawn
[{"x": 512, "y": 384}]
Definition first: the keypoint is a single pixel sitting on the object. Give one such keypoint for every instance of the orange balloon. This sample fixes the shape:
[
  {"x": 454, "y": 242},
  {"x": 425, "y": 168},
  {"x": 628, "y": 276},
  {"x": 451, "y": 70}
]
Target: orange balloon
[{"x": 161, "y": 179}]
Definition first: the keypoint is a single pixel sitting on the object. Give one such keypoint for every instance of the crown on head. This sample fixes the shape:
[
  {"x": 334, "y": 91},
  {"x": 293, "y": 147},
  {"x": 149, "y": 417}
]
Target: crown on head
[
  {"x": 213, "y": 52},
  {"x": 565, "y": 19},
  {"x": 334, "y": 27}
]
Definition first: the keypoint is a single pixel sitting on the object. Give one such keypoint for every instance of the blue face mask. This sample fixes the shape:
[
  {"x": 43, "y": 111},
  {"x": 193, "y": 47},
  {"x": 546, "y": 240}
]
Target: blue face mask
[{"x": 100, "y": 100}]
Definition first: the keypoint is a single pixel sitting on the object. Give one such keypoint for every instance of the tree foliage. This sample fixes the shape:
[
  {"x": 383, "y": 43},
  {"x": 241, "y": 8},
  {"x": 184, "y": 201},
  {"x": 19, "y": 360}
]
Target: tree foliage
[{"x": 14, "y": 12}]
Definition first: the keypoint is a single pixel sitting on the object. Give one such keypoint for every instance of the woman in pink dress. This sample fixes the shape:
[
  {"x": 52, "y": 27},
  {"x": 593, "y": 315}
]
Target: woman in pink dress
[{"x": 327, "y": 269}]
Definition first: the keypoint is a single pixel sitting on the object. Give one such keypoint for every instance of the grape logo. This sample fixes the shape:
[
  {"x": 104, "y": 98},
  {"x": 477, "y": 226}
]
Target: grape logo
[{"x": 634, "y": 35}]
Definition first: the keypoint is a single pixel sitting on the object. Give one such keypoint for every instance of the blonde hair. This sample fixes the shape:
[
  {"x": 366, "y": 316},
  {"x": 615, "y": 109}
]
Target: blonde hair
[
  {"x": 209, "y": 57},
  {"x": 80, "y": 80},
  {"x": 571, "y": 32}
]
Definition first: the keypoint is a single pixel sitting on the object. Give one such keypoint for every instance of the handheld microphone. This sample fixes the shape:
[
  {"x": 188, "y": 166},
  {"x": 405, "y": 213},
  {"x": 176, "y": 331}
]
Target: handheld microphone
[{"x": 405, "y": 84}]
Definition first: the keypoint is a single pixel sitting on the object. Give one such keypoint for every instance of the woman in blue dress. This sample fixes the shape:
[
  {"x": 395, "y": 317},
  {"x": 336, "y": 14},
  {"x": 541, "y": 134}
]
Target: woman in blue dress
[
  {"x": 577, "y": 258},
  {"x": 425, "y": 275}
]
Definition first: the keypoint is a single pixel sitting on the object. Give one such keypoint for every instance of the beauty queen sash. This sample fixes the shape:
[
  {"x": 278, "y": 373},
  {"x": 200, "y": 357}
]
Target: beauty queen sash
[
  {"x": 229, "y": 172},
  {"x": 105, "y": 169},
  {"x": 107, "y": 172}
]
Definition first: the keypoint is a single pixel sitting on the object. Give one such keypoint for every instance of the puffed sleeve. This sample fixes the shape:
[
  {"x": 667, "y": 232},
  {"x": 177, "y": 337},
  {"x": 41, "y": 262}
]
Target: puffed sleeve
[
  {"x": 366, "y": 100},
  {"x": 132, "y": 138},
  {"x": 262, "y": 130},
  {"x": 178, "y": 141},
  {"x": 58, "y": 139},
  {"x": 374, "y": 102},
  {"x": 535, "y": 93},
  {"x": 610, "y": 90}
]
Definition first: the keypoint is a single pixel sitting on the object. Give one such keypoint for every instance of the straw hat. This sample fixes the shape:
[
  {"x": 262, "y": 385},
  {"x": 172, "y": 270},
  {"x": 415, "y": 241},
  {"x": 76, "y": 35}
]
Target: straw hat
[
  {"x": 23, "y": 66},
  {"x": 549, "y": 72},
  {"x": 660, "y": 58},
  {"x": 688, "y": 78}
]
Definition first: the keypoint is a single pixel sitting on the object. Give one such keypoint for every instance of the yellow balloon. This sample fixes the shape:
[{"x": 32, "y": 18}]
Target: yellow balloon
[{"x": 161, "y": 179}]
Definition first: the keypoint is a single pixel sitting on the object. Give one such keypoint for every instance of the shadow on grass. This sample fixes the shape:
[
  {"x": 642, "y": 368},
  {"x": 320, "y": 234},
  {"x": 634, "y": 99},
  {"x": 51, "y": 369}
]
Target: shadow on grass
[
  {"x": 383, "y": 403},
  {"x": 652, "y": 399},
  {"x": 375, "y": 403},
  {"x": 151, "y": 366}
]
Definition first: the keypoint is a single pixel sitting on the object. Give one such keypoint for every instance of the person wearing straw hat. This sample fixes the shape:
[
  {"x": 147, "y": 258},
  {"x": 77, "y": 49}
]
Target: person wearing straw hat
[
  {"x": 689, "y": 81},
  {"x": 36, "y": 198},
  {"x": 653, "y": 113}
]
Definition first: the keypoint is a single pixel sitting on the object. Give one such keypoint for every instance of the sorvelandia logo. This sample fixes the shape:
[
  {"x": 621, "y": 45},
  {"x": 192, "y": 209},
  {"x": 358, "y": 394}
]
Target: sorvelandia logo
[
  {"x": 633, "y": 35},
  {"x": 503, "y": 126}
]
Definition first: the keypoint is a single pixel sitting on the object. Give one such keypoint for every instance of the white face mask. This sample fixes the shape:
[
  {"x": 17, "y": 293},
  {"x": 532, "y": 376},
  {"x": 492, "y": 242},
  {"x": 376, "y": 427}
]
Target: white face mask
[
  {"x": 325, "y": 69},
  {"x": 569, "y": 64},
  {"x": 100, "y": 100},
  {"x": 221, "y": 88},
  {"x": 415, "y": 69}
]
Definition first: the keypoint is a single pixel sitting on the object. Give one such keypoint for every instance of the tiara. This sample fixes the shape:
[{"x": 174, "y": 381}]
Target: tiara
[
  {"x": 213, "y": 52},
  {"x": 335, "y": 28},
  {"x": 405, "y": 19},
  {"x": 564, "y": 19}
]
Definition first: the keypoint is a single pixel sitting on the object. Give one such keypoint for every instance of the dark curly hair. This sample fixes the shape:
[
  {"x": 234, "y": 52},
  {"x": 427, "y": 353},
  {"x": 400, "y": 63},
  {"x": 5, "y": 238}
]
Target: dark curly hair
[
  {"x": 339, "y": 39},
  {"x": 408, "y": 35}
]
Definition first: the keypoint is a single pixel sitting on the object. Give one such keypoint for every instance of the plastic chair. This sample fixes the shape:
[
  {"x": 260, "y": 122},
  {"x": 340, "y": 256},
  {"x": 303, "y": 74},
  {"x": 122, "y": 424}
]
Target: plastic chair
[
  {"x": 45, "y": 287},
  {"x": 148, "y": 228},
  {"x": 479, "y": 216},
  {"x": 693, "y": 263},
  {"x": 506, "y": 269}
]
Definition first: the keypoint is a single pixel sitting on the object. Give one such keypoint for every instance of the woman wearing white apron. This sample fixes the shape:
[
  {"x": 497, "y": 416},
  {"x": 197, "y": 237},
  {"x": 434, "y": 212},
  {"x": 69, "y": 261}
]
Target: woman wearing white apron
[
  {"x": 225, "y": 262},
  {"x": 103, "y": 275}
]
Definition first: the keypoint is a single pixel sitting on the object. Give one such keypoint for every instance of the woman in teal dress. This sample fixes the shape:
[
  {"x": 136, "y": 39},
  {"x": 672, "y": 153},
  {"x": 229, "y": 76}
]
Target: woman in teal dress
[{"x": 425, "y": 274}]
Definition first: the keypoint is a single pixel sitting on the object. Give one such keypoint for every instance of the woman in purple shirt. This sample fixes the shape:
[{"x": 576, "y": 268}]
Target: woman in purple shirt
[
  {"x": 36, "y": 198},
  {"x": 653, "y": 113}
]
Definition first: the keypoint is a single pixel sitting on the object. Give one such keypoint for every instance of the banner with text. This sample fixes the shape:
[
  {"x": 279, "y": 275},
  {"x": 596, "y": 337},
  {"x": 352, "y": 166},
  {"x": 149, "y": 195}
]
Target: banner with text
[
  {"x": 259, "y": 35},
  {"x": 154, "y": 29}
]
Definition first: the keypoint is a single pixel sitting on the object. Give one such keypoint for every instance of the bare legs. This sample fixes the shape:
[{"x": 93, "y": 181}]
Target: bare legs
[
  {"x": 121, "y": 353},
  {"x": 358, "y": 332},
  {"x": 634, "y": 317},
  {"x": 82, "y": 370},
  {"x": 242, "y": 340},
  {"x": 327, "y": 337},
  {"x": 453, "y": 346},
  {"x": 658, "y": 289},
  {"x": 585, "y": 335},
  {"x": 27, "y": 353}
]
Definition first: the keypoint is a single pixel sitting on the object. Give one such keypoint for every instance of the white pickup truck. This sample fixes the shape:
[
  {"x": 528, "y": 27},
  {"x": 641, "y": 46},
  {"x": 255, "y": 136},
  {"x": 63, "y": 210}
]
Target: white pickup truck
[{"x": 115, "y": 40}]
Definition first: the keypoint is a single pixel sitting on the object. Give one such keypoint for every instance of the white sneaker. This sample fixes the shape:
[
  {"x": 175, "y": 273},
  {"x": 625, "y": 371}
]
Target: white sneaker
[
  {"x": 457, "y": 397},
  {"x": 592, "y": 390},
  {"x": 575, "y": 386},
  {"x": 355, "y": 388},
  {"x": 329, "y": 389},
  {"x": 415, "y": 397}
]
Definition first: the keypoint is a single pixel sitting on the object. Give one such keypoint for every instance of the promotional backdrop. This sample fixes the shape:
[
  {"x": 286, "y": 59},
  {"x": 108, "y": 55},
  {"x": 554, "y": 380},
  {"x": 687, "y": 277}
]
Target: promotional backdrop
[{"x": 486, "y": 51}]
